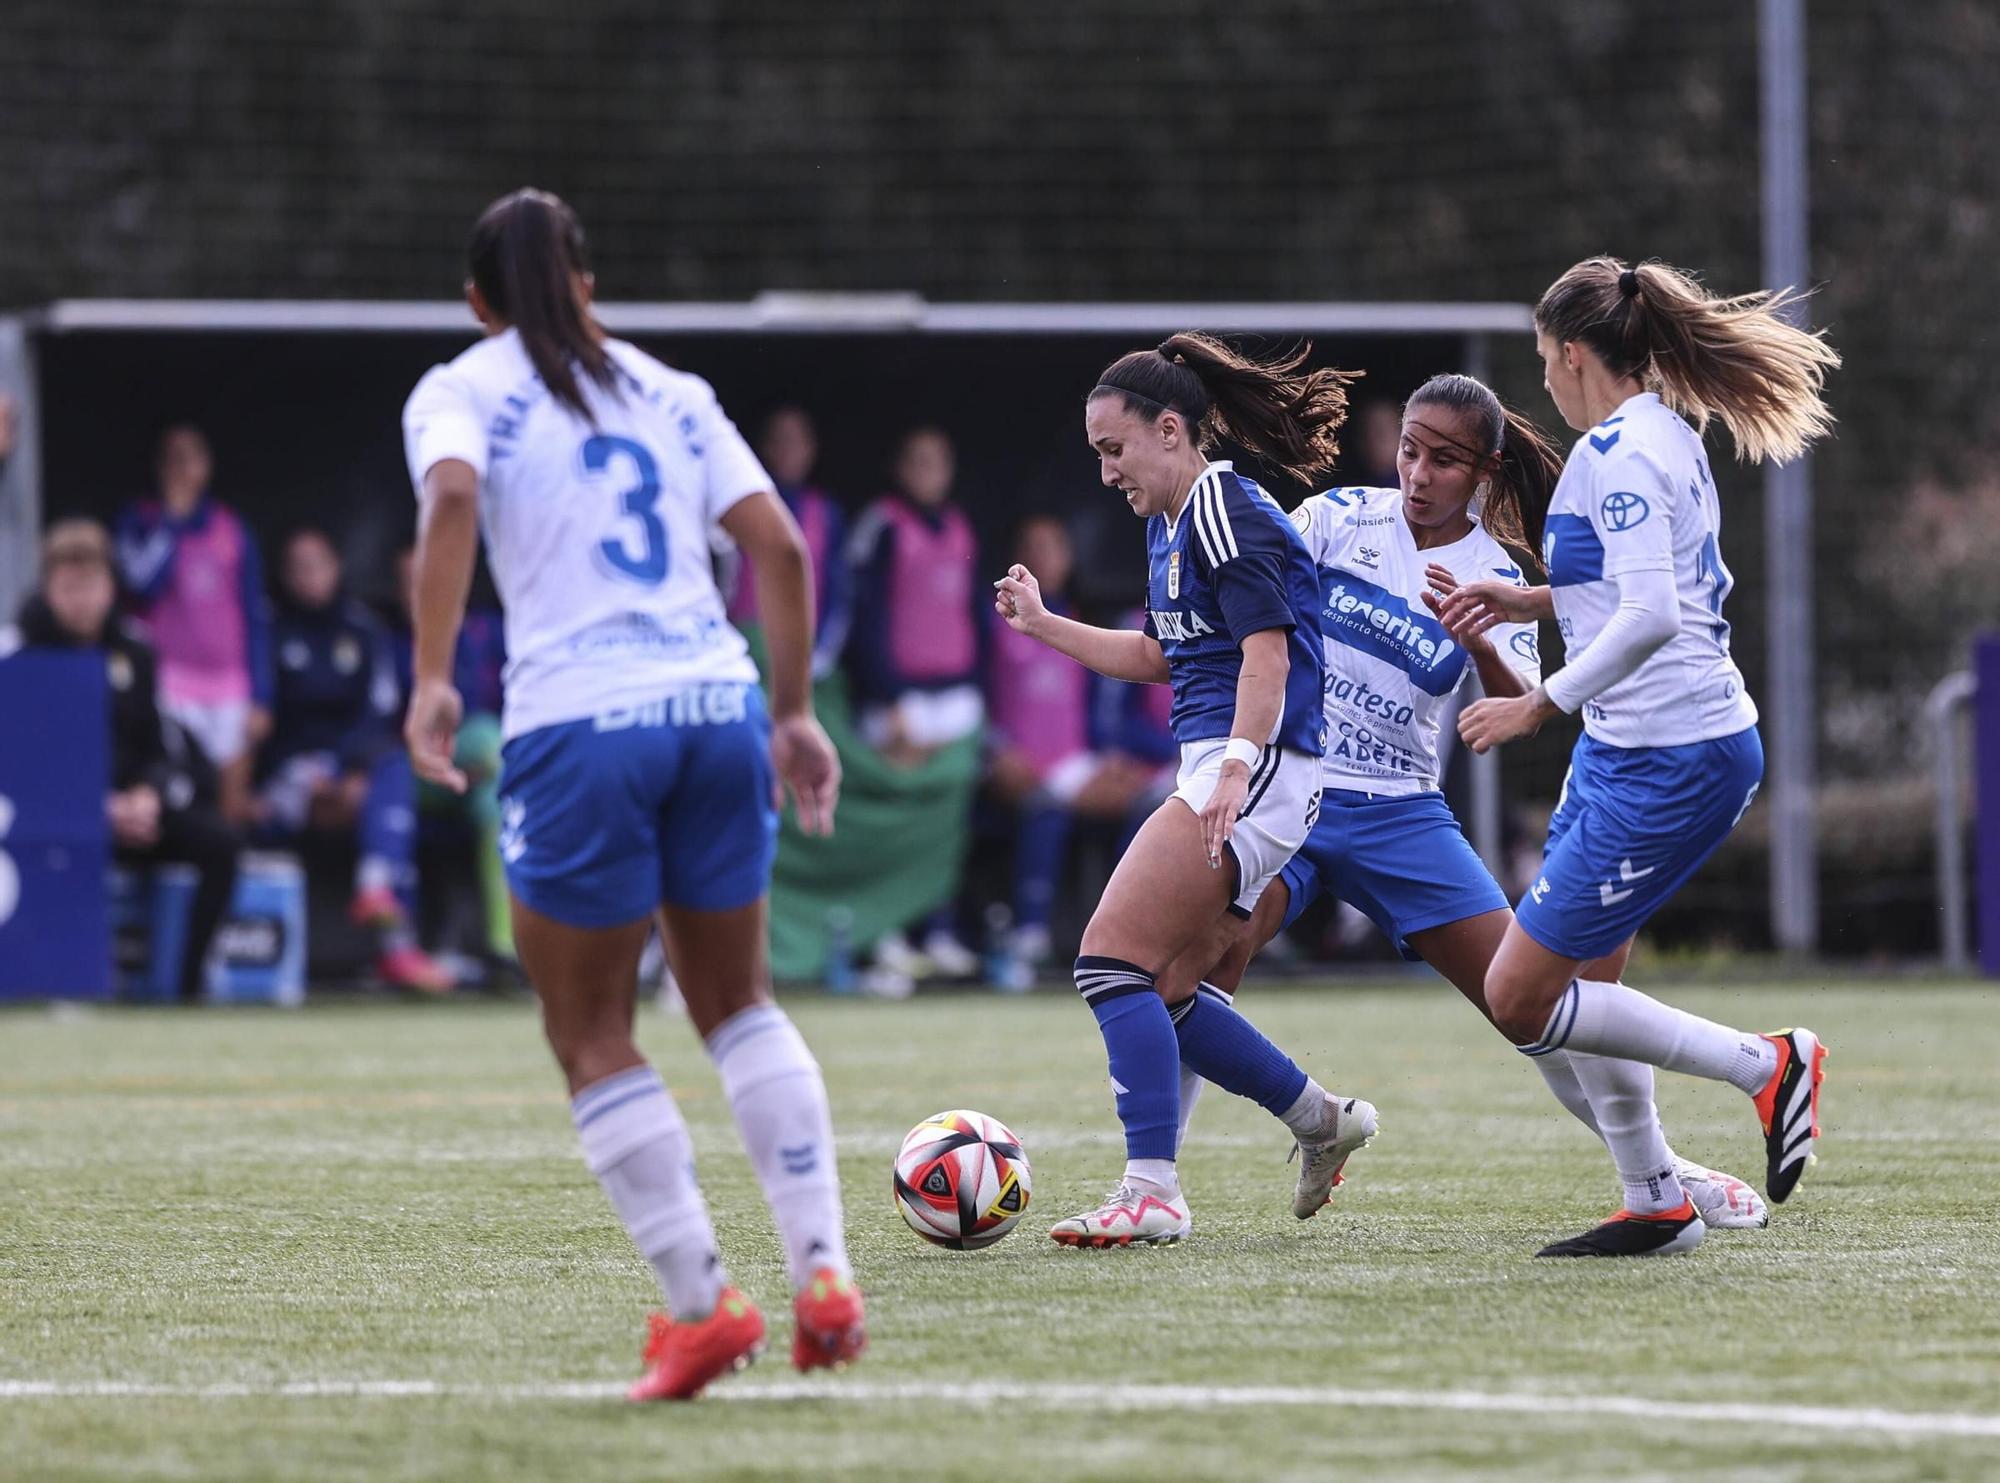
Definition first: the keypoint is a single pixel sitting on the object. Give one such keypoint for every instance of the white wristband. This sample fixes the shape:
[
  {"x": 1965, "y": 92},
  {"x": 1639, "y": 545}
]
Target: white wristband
[{"x": 1246, "y": 752}]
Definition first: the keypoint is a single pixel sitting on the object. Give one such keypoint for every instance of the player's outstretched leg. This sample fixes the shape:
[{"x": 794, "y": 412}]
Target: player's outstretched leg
[
  {"x": 1146, "y": 1208},
  {"x": 1220, "y": 1045},
  {"x": 1542, "y": 1008}
]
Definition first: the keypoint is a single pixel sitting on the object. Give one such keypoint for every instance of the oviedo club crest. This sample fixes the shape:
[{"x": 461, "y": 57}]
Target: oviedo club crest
[{"x": 1173, "y": 576}]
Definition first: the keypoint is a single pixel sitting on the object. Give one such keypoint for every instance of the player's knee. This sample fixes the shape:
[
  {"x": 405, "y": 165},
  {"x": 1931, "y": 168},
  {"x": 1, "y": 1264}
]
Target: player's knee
[
  {"x": 589, "y": 1052},
  {"x": 1514, "y": 1007}
]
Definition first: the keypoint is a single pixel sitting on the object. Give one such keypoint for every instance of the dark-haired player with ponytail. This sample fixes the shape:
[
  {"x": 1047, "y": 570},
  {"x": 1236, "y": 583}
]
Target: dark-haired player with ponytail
[
  {"x": 1670, "y": 758},
  {"x": 1232, "y": 601},
  {"x": 1474, "y": 477},
  {"x": 640, "y": 762}
]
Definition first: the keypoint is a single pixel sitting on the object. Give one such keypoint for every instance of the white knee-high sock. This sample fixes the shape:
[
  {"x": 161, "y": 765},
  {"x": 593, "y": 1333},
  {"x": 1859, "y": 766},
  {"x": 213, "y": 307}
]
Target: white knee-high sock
[
  {"x": 1561, "y": 1076},
  {"x": 1621, "y": 1095},
  {"x": 1612, "y": 1020},
  {"x": 637, "y": 1144},
  {"x": 779, "y": 1098}
]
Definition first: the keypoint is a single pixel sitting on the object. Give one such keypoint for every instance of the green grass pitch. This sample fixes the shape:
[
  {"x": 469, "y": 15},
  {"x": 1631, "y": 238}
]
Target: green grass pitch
[{"x": 358, "y": 1243}]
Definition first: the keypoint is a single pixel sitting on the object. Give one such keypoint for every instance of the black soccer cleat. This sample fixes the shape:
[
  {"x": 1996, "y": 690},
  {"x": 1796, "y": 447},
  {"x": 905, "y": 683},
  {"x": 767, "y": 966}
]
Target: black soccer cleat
[
  {"x": 1626, "y": 1234},
  {"x": 1788, "y": 1107}
]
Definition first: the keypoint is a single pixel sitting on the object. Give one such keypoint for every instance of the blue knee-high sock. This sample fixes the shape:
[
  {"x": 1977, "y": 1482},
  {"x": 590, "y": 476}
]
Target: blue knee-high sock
[
  {"x": 1223, "y": 1047},
  {"x": 388, "y": 824},
  {"x": 1038, "y": 862},
  {"x": 1145, "y": 1058}
]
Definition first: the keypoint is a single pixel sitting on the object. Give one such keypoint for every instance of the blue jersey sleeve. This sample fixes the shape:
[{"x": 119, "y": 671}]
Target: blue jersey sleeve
[{"x": 1242, "y": 551}]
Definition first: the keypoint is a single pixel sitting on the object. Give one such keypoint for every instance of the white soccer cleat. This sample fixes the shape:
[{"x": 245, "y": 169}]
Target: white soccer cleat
[
  {"x": 949, "y": 957},
  {"x": 1726, "y": 1203},
  {"x": 1129, "y": 1216},
  {"x": 1321, "y": 1161}
]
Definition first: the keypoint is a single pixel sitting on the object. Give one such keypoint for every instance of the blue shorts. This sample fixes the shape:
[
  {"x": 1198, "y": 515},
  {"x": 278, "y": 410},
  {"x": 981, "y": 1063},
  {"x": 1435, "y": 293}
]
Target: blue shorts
[
  {"x": 1404, "y": 861},
  {"x": 602, "y": 821},
  {"x": 1633, "y": 824}
]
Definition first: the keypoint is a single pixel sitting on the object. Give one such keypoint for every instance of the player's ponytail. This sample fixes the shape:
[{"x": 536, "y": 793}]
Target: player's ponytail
[
  {"x": 1736, "y": 358},
  {"x": 527, "y": 250},
  {"x": 1524, "y": 465},
  {"x": 1275, "y": 409}
]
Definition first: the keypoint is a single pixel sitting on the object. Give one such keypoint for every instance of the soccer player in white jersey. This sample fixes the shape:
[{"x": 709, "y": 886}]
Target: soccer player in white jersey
[
  {"x": 639, "y": 764},
  {"x": 1386, "y": 842},
  {"x": 1231, "y": 603},
  {"x": 1670, "y": 758}
]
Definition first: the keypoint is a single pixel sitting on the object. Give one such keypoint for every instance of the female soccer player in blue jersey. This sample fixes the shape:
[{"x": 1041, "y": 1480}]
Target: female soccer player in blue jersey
[
  {"x": 1474, "y": 477},
  {"x": 1670, "y": 758},
  {"x": 639, "y": 763},
  {"x": 1231, "y": 603}
]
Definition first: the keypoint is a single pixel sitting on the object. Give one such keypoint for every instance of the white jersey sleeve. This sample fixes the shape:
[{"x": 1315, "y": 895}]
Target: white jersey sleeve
[
  {"x": 442, "y": 421},
  {"x": 1635, "y": 512},
  {"x": 1633, "y": 550},
  {"x": 734, "y": 472}
]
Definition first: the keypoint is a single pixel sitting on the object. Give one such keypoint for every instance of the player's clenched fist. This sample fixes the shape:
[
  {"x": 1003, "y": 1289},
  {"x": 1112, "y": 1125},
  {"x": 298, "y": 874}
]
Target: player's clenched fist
[{"x": 1017, "y": 597}]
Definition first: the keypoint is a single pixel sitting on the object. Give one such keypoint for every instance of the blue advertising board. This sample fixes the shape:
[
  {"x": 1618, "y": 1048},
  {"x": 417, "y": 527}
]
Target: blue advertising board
[{"x": 55, "y": 843}]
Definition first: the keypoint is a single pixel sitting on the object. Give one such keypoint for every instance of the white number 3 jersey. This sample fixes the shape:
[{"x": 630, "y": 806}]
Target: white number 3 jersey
[
  {"x": 597, "y": 536},
  {"x": 1636, "y": 495}
]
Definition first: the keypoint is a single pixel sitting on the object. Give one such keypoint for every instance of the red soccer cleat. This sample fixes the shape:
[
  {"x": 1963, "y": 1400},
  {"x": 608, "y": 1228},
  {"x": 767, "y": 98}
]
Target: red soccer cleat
[
  {"x": 681, "y": 1358},
  {"x": 828, "y": 1327},
  {"x": 413, "y": 968}
]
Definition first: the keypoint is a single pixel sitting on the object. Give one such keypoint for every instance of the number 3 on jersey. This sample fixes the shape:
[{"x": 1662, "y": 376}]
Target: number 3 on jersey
[
  {"x": 1709, "y": 568},
  {"x": 648, "y": 565}
]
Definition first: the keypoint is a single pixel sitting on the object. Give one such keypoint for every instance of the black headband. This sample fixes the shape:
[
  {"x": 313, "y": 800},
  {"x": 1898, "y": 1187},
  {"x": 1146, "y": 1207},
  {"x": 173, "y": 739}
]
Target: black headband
[
  {"x": 1628, "y": 283},
  {"x": 1140, "y": 396}
]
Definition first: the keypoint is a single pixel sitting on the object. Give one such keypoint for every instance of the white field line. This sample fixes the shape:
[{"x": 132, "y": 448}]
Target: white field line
[{"x": 1800, "y": 1422}]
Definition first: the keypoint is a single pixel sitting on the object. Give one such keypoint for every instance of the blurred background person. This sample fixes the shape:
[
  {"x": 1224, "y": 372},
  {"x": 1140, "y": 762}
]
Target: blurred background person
[
  {"x": 478, "y": 664},
  {"x": 196, "y": 585},
  {"x": 914, "y": 650},
  {"x": 162, "y": 798},
  {"x": 1045, "y": 763},
  {"x": 1378, "y": 431},
  {"x": 788, "y": 446},
  {"x": 335, "y": 762}
]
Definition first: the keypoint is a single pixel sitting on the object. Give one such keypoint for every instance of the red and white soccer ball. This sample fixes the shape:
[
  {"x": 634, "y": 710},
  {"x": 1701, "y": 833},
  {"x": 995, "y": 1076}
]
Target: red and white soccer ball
[{"x": 962, "y": 1180}]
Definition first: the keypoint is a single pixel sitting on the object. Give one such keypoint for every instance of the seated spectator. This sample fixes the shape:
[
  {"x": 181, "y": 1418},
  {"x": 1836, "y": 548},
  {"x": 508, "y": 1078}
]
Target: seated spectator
[
  {"x": 789, "y": 447},
  {"x": 335, "y": 760},
  {"x": 1044, "y": 762},
  {"x": 196, "y": 587},
  {"x": 477, "y": 665},
  {"x": 162, "y": 798},
  {"x": 914, "y": 648}
]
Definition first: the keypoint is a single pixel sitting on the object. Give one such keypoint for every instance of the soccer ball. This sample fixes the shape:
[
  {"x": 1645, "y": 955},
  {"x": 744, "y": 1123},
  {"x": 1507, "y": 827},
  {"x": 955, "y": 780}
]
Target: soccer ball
[{"x": 961, "y": 1180}]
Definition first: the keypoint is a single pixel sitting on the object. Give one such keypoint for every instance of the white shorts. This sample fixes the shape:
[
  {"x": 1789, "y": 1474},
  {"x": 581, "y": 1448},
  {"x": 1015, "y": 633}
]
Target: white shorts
[
  {"x": 221, "y": 727},
  {"x": 1277, "y": 815}
]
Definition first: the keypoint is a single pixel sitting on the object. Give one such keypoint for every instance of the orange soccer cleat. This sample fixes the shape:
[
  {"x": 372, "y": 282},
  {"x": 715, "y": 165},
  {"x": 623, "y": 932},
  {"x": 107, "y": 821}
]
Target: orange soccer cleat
[
  {"x": 681, "y": 1358},
  {"x": 829, "y": 1331}
]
